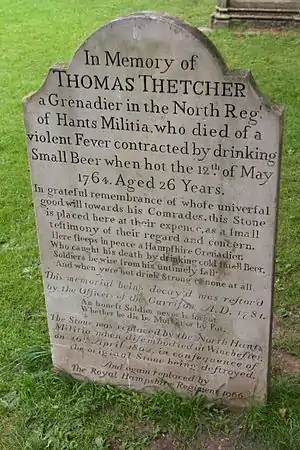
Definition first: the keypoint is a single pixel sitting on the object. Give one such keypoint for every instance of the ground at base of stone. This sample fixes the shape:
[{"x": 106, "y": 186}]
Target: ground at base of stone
[
  {"x": 287, "y": 363},
  {"x": 286, "y": 346},
  {"x": 213, "y": 442}
]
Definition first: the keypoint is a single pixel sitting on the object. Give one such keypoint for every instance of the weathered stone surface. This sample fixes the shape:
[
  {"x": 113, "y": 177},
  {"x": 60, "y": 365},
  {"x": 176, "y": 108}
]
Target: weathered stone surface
[
  {"x": 256, "y": 13},
  {"x": 155, "y": 176}
]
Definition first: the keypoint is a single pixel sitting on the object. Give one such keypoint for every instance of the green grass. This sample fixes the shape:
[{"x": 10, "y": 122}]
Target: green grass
[
  {"x": 64, "y": 414},
  {"x": 42, "y": 410}
]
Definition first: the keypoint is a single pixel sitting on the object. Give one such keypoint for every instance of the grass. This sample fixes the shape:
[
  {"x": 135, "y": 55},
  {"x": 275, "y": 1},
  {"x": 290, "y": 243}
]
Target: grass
[
  {"x": 40, "y": 409},
  {"x": 59, "y": 409}
]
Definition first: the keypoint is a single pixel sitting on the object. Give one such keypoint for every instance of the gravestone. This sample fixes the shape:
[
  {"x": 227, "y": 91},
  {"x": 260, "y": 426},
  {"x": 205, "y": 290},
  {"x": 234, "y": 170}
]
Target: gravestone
[
  {"x": 257, "y": 13},
  {"x": 155, "y": 177}
]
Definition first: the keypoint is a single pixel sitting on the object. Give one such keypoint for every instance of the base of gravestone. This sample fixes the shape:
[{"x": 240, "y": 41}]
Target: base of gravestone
[{"x": 255, "y": 17}]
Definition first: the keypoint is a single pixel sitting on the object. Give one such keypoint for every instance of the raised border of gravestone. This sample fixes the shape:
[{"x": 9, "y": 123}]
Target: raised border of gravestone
[{"x": 258, "y": 14}]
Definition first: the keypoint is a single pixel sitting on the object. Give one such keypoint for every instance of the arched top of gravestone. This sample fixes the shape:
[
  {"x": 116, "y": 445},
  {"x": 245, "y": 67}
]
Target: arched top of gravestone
[{"x": 151, "y": 35}]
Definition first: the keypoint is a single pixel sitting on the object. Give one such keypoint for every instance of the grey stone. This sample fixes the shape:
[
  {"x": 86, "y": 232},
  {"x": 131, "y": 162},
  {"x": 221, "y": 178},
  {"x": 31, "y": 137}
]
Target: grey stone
[
  {"x": 155, "y": 175},
  {"x": 256, "y": 13}
]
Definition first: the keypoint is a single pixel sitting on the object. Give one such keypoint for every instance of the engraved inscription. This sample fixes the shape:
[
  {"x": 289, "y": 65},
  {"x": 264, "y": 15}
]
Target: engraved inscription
[{"x": 154, "y": 175}]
